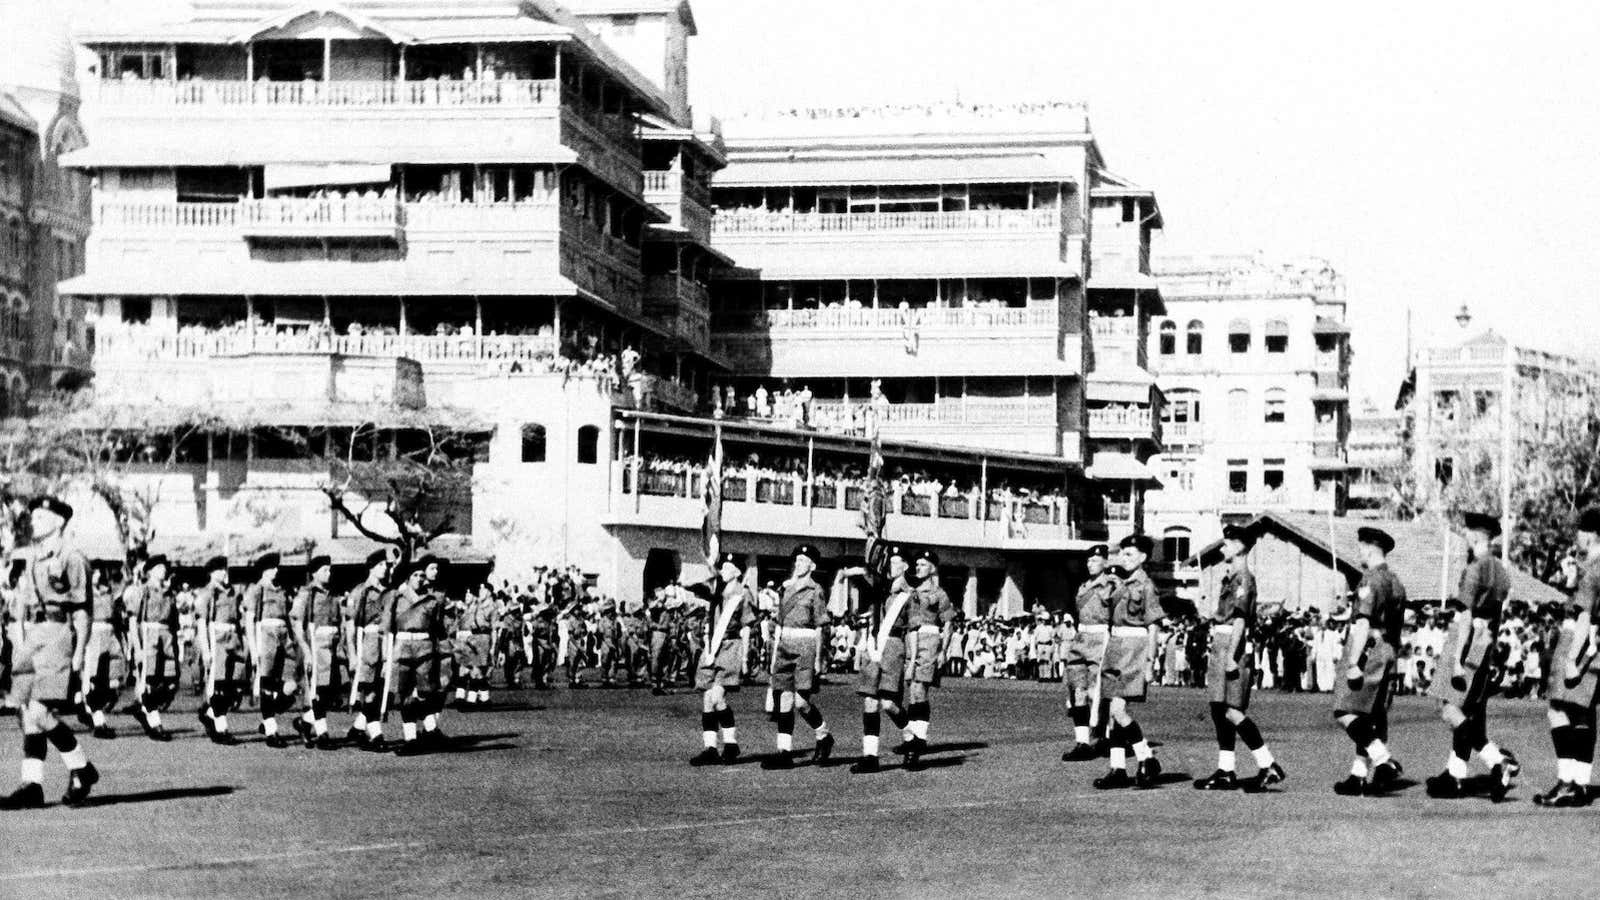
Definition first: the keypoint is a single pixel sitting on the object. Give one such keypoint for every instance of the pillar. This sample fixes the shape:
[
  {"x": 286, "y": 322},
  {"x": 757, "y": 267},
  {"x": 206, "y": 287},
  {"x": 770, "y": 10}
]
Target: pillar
[
  {"x": 969, "y": 595},
  {"x": 1012, "y": 600}
]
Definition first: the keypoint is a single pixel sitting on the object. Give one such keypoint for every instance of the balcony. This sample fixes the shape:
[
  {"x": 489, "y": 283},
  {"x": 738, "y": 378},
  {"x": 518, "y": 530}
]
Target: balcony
[
  {"x": 679, "y": 305},
  {"x": 1118, "y": 512},
  {"x": 1130, "y": 423},
  {"x": 1181, "y": 434},
  {"x": 974, "y": 243},
  {"x": 871, "y": 343},
  {"x": 754, "y": 504},
  {"x": 1021, "y": 424},
  {"x": 687, "y": 201},
  {"x": 1118, "y": 342},
  {"x": 143, "y": 342}
]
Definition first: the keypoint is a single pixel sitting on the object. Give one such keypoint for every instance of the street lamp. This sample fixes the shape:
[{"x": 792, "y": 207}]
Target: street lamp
[{"x": 1464, "y": 317}]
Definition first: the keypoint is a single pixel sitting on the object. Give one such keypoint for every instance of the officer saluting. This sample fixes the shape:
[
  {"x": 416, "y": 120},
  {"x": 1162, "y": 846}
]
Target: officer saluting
[
  {"x": 1462, "y": 683},
  {"x": 1087, "y": 653},
  {"x": 1230, "y": 672},
  {"x": 49, "y": 629},
  {"x": 721, "y": 664},
  {"x": 1371, "y": 644},
  {"x": 1571, "y": 688},
  {"x": 801, "y": 618}
]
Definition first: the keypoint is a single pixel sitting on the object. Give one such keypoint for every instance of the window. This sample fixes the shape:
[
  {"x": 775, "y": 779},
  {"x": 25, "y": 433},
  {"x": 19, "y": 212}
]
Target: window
[
  {"x": 1175, "y": 545},
  {"x": 1277, "y": 406},
  {"x": 1272, "y": 474},
  {"x": 1239, "y": 336},
  {"x": 1169, "y": 338},
  {"x": 1238, "y": 405},
  {"x": 1182, "y": 407},
  {"x": 1238, "y": 476},
  {"x": 588, "y": 445},
  {"x": 1445, "y": 404},
  {"x": 1130, "y": 209},
  {"x": 1483, "y": 402},
  {"x": 1277, "y": 336},
  {"x": 1194, "y": 338},
  {"x": 533, "y": 443}
]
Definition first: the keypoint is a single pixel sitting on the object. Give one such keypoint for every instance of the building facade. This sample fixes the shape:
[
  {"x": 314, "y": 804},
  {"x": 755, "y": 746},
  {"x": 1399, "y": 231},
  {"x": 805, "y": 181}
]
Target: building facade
[
  {"x": 1377, "y": 455},
  {"x": 1253, "y": 358}
]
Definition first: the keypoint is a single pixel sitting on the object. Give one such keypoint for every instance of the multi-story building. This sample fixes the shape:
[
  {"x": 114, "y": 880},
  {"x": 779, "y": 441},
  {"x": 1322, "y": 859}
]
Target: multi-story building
[
  {"x": 1460, "y": 429},
  {"x": 44, "y": 208},
  {"x": 1377, "y": 455},
  {"x": 1253, "y": 358},
  {"x": 351, "y": 228}
]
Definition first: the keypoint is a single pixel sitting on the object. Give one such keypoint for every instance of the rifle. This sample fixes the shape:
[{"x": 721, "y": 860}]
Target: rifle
[
  {"x": 355, "y": 681},
  {"x": 388, "y": 676}
]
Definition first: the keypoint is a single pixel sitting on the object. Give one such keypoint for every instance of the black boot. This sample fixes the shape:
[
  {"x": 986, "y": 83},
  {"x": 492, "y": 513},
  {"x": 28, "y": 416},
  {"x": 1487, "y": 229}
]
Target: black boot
[
  {"x": 823, "y": 750},
  {"x": 27, "y": 796},
  {"x": 707, "y": 757},
  {"x": 1218, "y": 781},
  {"x": 866, "y": 765},
  {"x": 79, "y": 781},
  {"x": 1263, "y": 779}
]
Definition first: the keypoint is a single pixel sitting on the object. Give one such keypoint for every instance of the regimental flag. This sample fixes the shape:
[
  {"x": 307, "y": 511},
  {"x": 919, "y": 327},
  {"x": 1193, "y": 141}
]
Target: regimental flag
[
  {"x": 711, "y": 525},
  {"x": 874, "y": 500}
]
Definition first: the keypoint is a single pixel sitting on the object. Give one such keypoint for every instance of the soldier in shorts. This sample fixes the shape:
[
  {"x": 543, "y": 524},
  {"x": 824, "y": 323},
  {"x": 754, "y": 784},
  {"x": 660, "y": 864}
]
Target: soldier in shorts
[
  {"x": 881, "y": 677},
  {"x": 1463, "y": 682},
  {"x": 366, "y": 607},
  {"x": 929, "y": 618},
  {"x": 1230, "y": 673},
  {"x": 1573, "y": 677},
  {"x": 155, "y": 619},
  {"x": 267, "y": 614},
  {"x": 416, "y": 617},
  {"x": 48, "y": 630},
  {"x": 474, "y": 641},
  {"x": 1086, "y": 654},
  {"x": 105, "y": 664},
  {"x": 316, "y": 618},
  {"x": 802, "y": 619},
  {"x": 1361, "y": 696},
  {"x": 1135, "y": 610},
  {"x": 222, "y": 628},
  {"x": 720, "y": 667}
]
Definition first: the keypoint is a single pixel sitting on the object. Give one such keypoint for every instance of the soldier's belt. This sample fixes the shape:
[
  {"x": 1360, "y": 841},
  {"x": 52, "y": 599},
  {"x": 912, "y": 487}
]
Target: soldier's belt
[
  {"x": 325, "y": 629},
  {"x": 1129, "y": 631},
  {"x": 1222, "y": 629},
  {"x": 1094, "y": 629},
  {"x": 413, "y": 636},
  {"x": 101, "y": 627},
  {"x": 154, "y": 626},
  {"x": 793, "y": 631},
  {"x": 223, "y": 627},
  {"x": 272, "y": 620},
  {"x": 465, "y": 633},
  {"x": 372, "y": 629},
  {"x": 929, "y": 629}
]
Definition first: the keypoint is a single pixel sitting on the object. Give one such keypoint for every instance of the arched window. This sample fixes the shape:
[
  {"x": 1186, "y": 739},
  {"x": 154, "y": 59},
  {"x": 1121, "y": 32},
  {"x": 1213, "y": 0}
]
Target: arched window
[
  {"x": 1277, "y": 406},
  {"x": 1194, "y": 337},
  {"x": 1239, "y": 336},
  {"x": 1169, "y": 338},
  {"x": 533, "y": 443},
  {"x": 588, "y": 445},
  {"x": 1175, "y": 544},
  {"x": 1277, "y": 336},
  {"x": 1238, "y": 404}
]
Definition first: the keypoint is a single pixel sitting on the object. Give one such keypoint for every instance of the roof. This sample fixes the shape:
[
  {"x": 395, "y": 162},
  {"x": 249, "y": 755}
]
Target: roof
[
  {"x": 1418, "y": 559},
  {"x": 1110, "y": 185},
  {"x": 1118, "y": 467},
  {"x": 12, "y": 112}
]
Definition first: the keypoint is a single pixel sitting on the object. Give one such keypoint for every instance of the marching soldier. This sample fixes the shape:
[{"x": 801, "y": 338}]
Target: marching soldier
[
  {"x": 513, "y": 643},
  {"x": 609, "y": 631},
  {"x": 315, "y": 617},
  {"x": 572, "y": 636},
  {"x": 880, "y": 679},
  {"x": 416, "y": 625},
  {"x": 658, "y": 620},
  {"x": 1230, "y": 673},
  {"x": 1087, "y": 653},
  {"x": 1361, "y": 697},
  {"x": 802, "y": 618},
  {"x": 156, "y": 620},
  {"x": 721, "y": 666},
  {"x": 474, "y": 633},
  {"x": 105, "y": 665},
  {"x": 48, "y": 632},
  {"x": 1135, "y": 610},
  {"x": 1572, "y": 679},
  {"x": 929, "y": 618},
  {"x": 366, "y": 607},
  {"x": 1463, "y": 681},
  {"x": 222, "y": 628},
  {"x": 267, "y": 612}
]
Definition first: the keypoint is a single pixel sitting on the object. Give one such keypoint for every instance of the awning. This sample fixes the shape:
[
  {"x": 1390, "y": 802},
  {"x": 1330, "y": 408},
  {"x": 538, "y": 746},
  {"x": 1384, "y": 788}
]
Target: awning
[
  {"x": 1329, "y": 326},
  {"x": 1120, "y": 384},
  {"x": 1118, "y": 467},
  {"x": 1123, "y": 281},
  {"x": 898, "y": 170},
  {"x": 278, "y": 176}
]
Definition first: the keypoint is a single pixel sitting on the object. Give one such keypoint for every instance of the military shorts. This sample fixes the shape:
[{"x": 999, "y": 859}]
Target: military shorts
[
  {"x": 1085, "y": 655},
  {"x": 369, "y": 656},
  {"x": 278, "y": 655},
  {"x": 1222, "y": 686},
  {"x": 327, "y": 659},
  {"x": 725, "y": 669},
  {"x": 105, "y": 663},
  {"x": 1566, "y": 686},
  {"x": 472, "y": 650},
  {"x": 228, "y": 659},
  {"x": 1364, "y": 698},
  {"x": 924, "y": 667},
  {"x": 1462, "y": 674},
  {"x": 794, "y": 665},
  {"x": 885, "y": 678},
  {"x": 158, "y": 653},
  {"x": 1122, "y": 675},
  {"x": 41, "y": 663},
  {"x": 416, "y": 667}
]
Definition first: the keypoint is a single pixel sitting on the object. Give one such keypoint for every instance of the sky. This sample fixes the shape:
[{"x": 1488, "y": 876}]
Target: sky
[{"x": 1437, "y": 154}]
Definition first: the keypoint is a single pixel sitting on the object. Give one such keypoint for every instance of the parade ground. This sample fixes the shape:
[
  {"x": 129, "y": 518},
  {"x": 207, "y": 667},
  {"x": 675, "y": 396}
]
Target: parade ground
[{"x": 588, "y": 794}]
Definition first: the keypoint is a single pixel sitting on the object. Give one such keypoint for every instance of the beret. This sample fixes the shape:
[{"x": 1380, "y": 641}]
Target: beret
[
  {"x": 1100, "y": 550},
  {"x": 1477, "y": 521},
  {"x": 1376, "y": 537},
  {"x": 53, "y": 504},
  {"x": 1140, "y": 542},
  {"x": 268, "y": 561},
  {"x": 807, "y": 551}
]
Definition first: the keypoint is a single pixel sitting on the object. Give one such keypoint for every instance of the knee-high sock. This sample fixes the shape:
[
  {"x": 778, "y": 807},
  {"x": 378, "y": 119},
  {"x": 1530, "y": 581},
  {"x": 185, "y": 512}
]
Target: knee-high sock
[
  {"x": 918, "y": 713},
  {"x": 813, "y": 720},
  {"x": 34, "y": 747},
  {"x": 1134, "y": 735},
  {"x": 66, "y": 743},
  {"x": 870, "y": 725},
  {"x": 785, "y": 722},
  {"x": 1224, "y": 728},
  {"x": 730, "y": 734},
  {"x": 1251, "y": 735},
  {"x": 1119, "y": 746},
  {"x": 708, "y": 729}
]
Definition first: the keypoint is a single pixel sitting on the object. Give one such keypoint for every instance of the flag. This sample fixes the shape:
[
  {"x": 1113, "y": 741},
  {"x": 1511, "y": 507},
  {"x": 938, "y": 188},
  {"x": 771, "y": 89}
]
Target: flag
[
  {"x": 711, "y": 525},
  {"x": 874, "y": 499}
]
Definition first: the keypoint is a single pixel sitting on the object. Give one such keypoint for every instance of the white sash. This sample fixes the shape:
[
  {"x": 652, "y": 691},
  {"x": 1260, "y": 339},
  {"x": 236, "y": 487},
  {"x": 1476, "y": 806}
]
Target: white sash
[
  {"x": 718, "y": 634},
  {"x": 890, "y": 616}
]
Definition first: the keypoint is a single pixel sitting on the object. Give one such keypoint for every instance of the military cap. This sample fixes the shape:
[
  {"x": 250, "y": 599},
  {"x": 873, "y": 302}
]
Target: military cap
[
  {"x": 217, "y": 564},
  {"x": 52, "y": 504},
  {"x": 157, "y": 560},
  {"x": 1238, "y": 533},
  {"x": 1589, "y": 520},
  {"x": 268, "y": 561},
  {"x": 928, "y": 555},
  {"x": 807, "y": 551},
  {"x": 1100, "y": 550},
  {"x": 1140, "y": 542},
  {"x": 730, "y": 559},
  {"x": 1476, "y": 521},
  {"x": 376, "y": 557},
  {"x": 896, "y": 550},
  {"x": 1375, "y": 537},
  {"x": 430, "y": 560},
  {"x": 317, "y": 562}
]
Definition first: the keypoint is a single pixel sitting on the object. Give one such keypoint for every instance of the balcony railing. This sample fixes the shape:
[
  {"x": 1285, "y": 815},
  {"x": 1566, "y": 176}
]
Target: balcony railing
[
  {"x": 680, "y": 290},
  {"x": 761, "y": 222},
  {"x": 586, "y": 232},
  {"x": 1180, "y": 432},
  {"x": 1114, "y": 327},
  {"x": 198, "y": 92},
  {"x": 144, "y": 342},
  {"x": 330, "y": 215},
  {"x": 1134, "y": 420},
  {"x": 1021, "y": 411},
  {"x": 1041, "y": 315},
  {"x": 672, "y": 186},
  {"x": 1118, "y": 512}
]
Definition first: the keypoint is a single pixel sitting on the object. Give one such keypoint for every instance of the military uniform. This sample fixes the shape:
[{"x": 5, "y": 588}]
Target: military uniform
[
  {"x": 318, "y": 614},
  {"x": 1135, "y": 606},
  {"x": 277, "y": 657},
  {"x": 365, "y": 608},
  {"x": 1463, "y": 677},
  {"x": 928, "y": 614},
  {"x": 222, "y": 618},
  {"x": 607, "y": 633},
  {"x": 105, "y": 664},
  {"x": 1381, "y": 600},
  {"x": 1236, "y": 608},
  {"x": 658, "y": 624},
  {"x": 157, "y": 616},
  {"x": 54, "y": 587},
  {"x": 1568, "y": 685},
  {"x": 417, "y": 620},
  {"x": 802, "y": 614},
  {"x": 474, "y": 634},
  {"x": 1085, "y": 658},
  {"x": 881, "y": 672},
  {"x": 722, "y": 661},
  {"x": 545, "y": 634}
]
